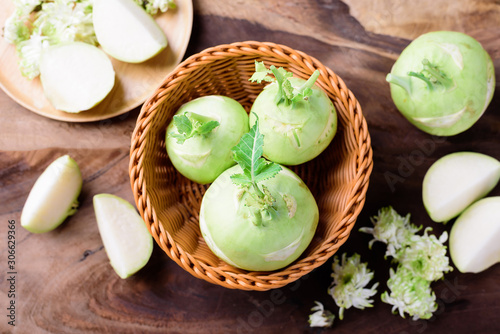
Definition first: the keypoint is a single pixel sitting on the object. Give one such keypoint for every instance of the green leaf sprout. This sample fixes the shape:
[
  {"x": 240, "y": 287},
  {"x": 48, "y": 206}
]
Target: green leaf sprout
[
  {"x": 320, "y": 317},
  {"x": 350, "y": 279},
  {"x": 421, "y": 259},
  {"x": 287, "y": 93},
  {"x": 189, "y": 125},
  {"x": 153, "y": 6}
]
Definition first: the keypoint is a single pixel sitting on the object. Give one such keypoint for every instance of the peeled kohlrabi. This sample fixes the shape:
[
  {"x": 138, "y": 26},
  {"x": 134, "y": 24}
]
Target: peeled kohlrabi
[
  {"x": 126, "y": 238},
  {"x": 474, "y": 245},
  {"x": 257, "y": 215},
  {"x": 457, "y": 180},
  {"x": 126, "y": 31},
  {"x": 75, "y": 76},
  {"x": 200, "y": 136},
  {"x": 54, "y": 196},
  {"x": 297, "y": 118},
  {"x": 442, "y": 82}
]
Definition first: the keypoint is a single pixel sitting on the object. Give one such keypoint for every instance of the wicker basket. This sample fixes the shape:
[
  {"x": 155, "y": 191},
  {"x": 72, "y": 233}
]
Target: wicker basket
[{"x": 170, "y": 203}]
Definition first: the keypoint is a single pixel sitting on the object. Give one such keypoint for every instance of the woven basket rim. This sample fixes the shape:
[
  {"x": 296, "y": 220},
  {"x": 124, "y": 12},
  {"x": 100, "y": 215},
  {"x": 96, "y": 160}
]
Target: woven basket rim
[{"x": 230, "y": 278}]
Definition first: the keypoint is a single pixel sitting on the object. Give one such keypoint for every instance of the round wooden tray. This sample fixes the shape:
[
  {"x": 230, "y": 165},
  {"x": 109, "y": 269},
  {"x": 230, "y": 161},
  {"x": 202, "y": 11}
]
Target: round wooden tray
[
  {"x": 134, "y": 82},
  {"x": 170, "y": 203}
]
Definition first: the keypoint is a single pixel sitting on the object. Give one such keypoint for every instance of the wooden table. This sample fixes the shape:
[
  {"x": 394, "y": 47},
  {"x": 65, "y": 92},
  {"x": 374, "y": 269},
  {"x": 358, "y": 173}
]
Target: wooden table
[{"x": 63, "y": 281}]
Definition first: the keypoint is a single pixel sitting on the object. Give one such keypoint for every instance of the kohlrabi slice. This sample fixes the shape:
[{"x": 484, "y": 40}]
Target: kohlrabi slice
[
  {"x": 126, "y": 239},
  {"x": 457, "y": 180},
  {"x": 297, "y": 118},
  {"x": 442, "y": 82},
  {"x": 54, "y": 196},
  {"x": 75, "y": 76},
  {"x": 201, "y": 134},
  {"x": 126, "y": 32},
  {"x": 474, "y": 244},
  {"x": 258, "y": 215}
]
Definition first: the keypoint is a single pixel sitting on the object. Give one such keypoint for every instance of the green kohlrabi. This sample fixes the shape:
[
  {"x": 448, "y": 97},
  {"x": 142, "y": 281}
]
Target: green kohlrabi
[
  {"x": 201, "y": 135},
  {"x": 442, "y": 82},
  {"x": 258, "y": 215},
  {"x": 297, "y": 118}
]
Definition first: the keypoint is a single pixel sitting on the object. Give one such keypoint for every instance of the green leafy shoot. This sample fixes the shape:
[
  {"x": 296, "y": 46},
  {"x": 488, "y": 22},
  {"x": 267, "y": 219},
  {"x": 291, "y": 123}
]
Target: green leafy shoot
[
  {"x": 248, "y": 154},
  {"x": 189, "y": 125},
  {"x": 287, "y": 93}
]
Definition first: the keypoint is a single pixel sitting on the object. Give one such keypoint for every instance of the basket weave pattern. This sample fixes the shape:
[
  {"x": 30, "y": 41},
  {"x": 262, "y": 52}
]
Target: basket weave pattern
[{"x": 170, "y": 203}]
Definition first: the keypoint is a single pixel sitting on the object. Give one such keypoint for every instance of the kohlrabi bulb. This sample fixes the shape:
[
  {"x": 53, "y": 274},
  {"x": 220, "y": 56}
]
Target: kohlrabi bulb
[
  {"x": 442, "y": 82},
  {"x": 200, "y": 137}
]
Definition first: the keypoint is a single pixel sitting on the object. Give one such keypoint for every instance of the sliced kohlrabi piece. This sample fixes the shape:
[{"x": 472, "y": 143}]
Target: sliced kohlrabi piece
[
  {"x": 75, "y": 76},
  {"x": 457, "y": 180},
  {"x": 126, "y": 32},
  {"x": 53, "y": 197},
  {"x": 474, "y": 236},
  {"x": 127, "y": 241}
]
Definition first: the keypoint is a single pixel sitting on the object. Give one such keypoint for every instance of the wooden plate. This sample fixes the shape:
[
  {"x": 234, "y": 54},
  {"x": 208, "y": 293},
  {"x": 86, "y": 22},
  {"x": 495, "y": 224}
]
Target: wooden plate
[{"x": 134, "y": 82}]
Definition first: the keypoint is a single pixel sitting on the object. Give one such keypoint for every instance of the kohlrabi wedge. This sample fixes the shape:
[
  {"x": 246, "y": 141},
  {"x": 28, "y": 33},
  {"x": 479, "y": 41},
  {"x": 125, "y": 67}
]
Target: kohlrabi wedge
[
  {"x": 475, "y": 235},
  {"x": 126, "y": 239},
  {"x": 201, "y": 134},
  {"x": 75, "y": 76},
  {"x": 54, "y": 196},
  {"x": 126, "y": 31},
  {"x": 297, "y": 118},
  {"x": 443, "y": 82},
  {"x": 457, "y": 180},
  {"x": 258, "y": 215}
]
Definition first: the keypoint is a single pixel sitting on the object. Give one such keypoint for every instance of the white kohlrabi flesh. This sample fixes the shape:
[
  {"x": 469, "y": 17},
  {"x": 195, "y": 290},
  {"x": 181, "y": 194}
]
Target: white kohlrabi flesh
[
  {"x": 199, "y": 153},
  {"x": 442, "y": 82},
  {"x": 457, "y": 180},
  {"x": 54, "y": 196},
  {"x": 126, "y": 31},
  {"x": 75, "y": 76},
  {"x": 297, "y": 118},
  {"x": 126, "y": 239},
  {"x": 257, "y": 215},
  {"x": 475, "y": 235}
]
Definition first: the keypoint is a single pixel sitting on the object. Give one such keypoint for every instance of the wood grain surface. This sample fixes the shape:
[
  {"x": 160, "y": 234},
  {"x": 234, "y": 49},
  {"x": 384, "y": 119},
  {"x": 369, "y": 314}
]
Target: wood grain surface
[{"x": 63, "y": 281}]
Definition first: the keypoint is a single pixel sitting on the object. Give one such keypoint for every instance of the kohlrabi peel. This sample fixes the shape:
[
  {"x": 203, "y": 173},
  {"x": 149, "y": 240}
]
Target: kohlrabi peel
[
  {"x": 258, "y": 215},
  {"x": 126, "y": 239},
  {"x": 296, "y": 117},
  {"x": 457, "y": 180},
  {"x": 442, "y": 82},
  {"x": 126, "y": 31},
  {"x": 201, "y": 135},
  {"x": 54, "y": 196},
  {"x": 474, "y": 237},
  {"x": 75, "y": 76}
]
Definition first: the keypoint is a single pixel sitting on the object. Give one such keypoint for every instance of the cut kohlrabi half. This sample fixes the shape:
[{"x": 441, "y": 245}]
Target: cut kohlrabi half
[
  {"x": 475, "y": 235},
  {"x": 457, "y": 180},
  {"x": 75, "y": 76},
  {"x": 442, "y": 82},
  {"x": 126, "y": 239},
  {"x": 54, "y": 196},
  {"x": 126, "y": 31}
]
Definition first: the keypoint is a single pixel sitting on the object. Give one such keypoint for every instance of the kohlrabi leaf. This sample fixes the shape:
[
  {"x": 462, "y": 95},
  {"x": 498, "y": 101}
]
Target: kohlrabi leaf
[
  {"x": 188, "y": 126},
  {"x": 248, "y": 154},
  {"x": 287, "y": 93}
]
